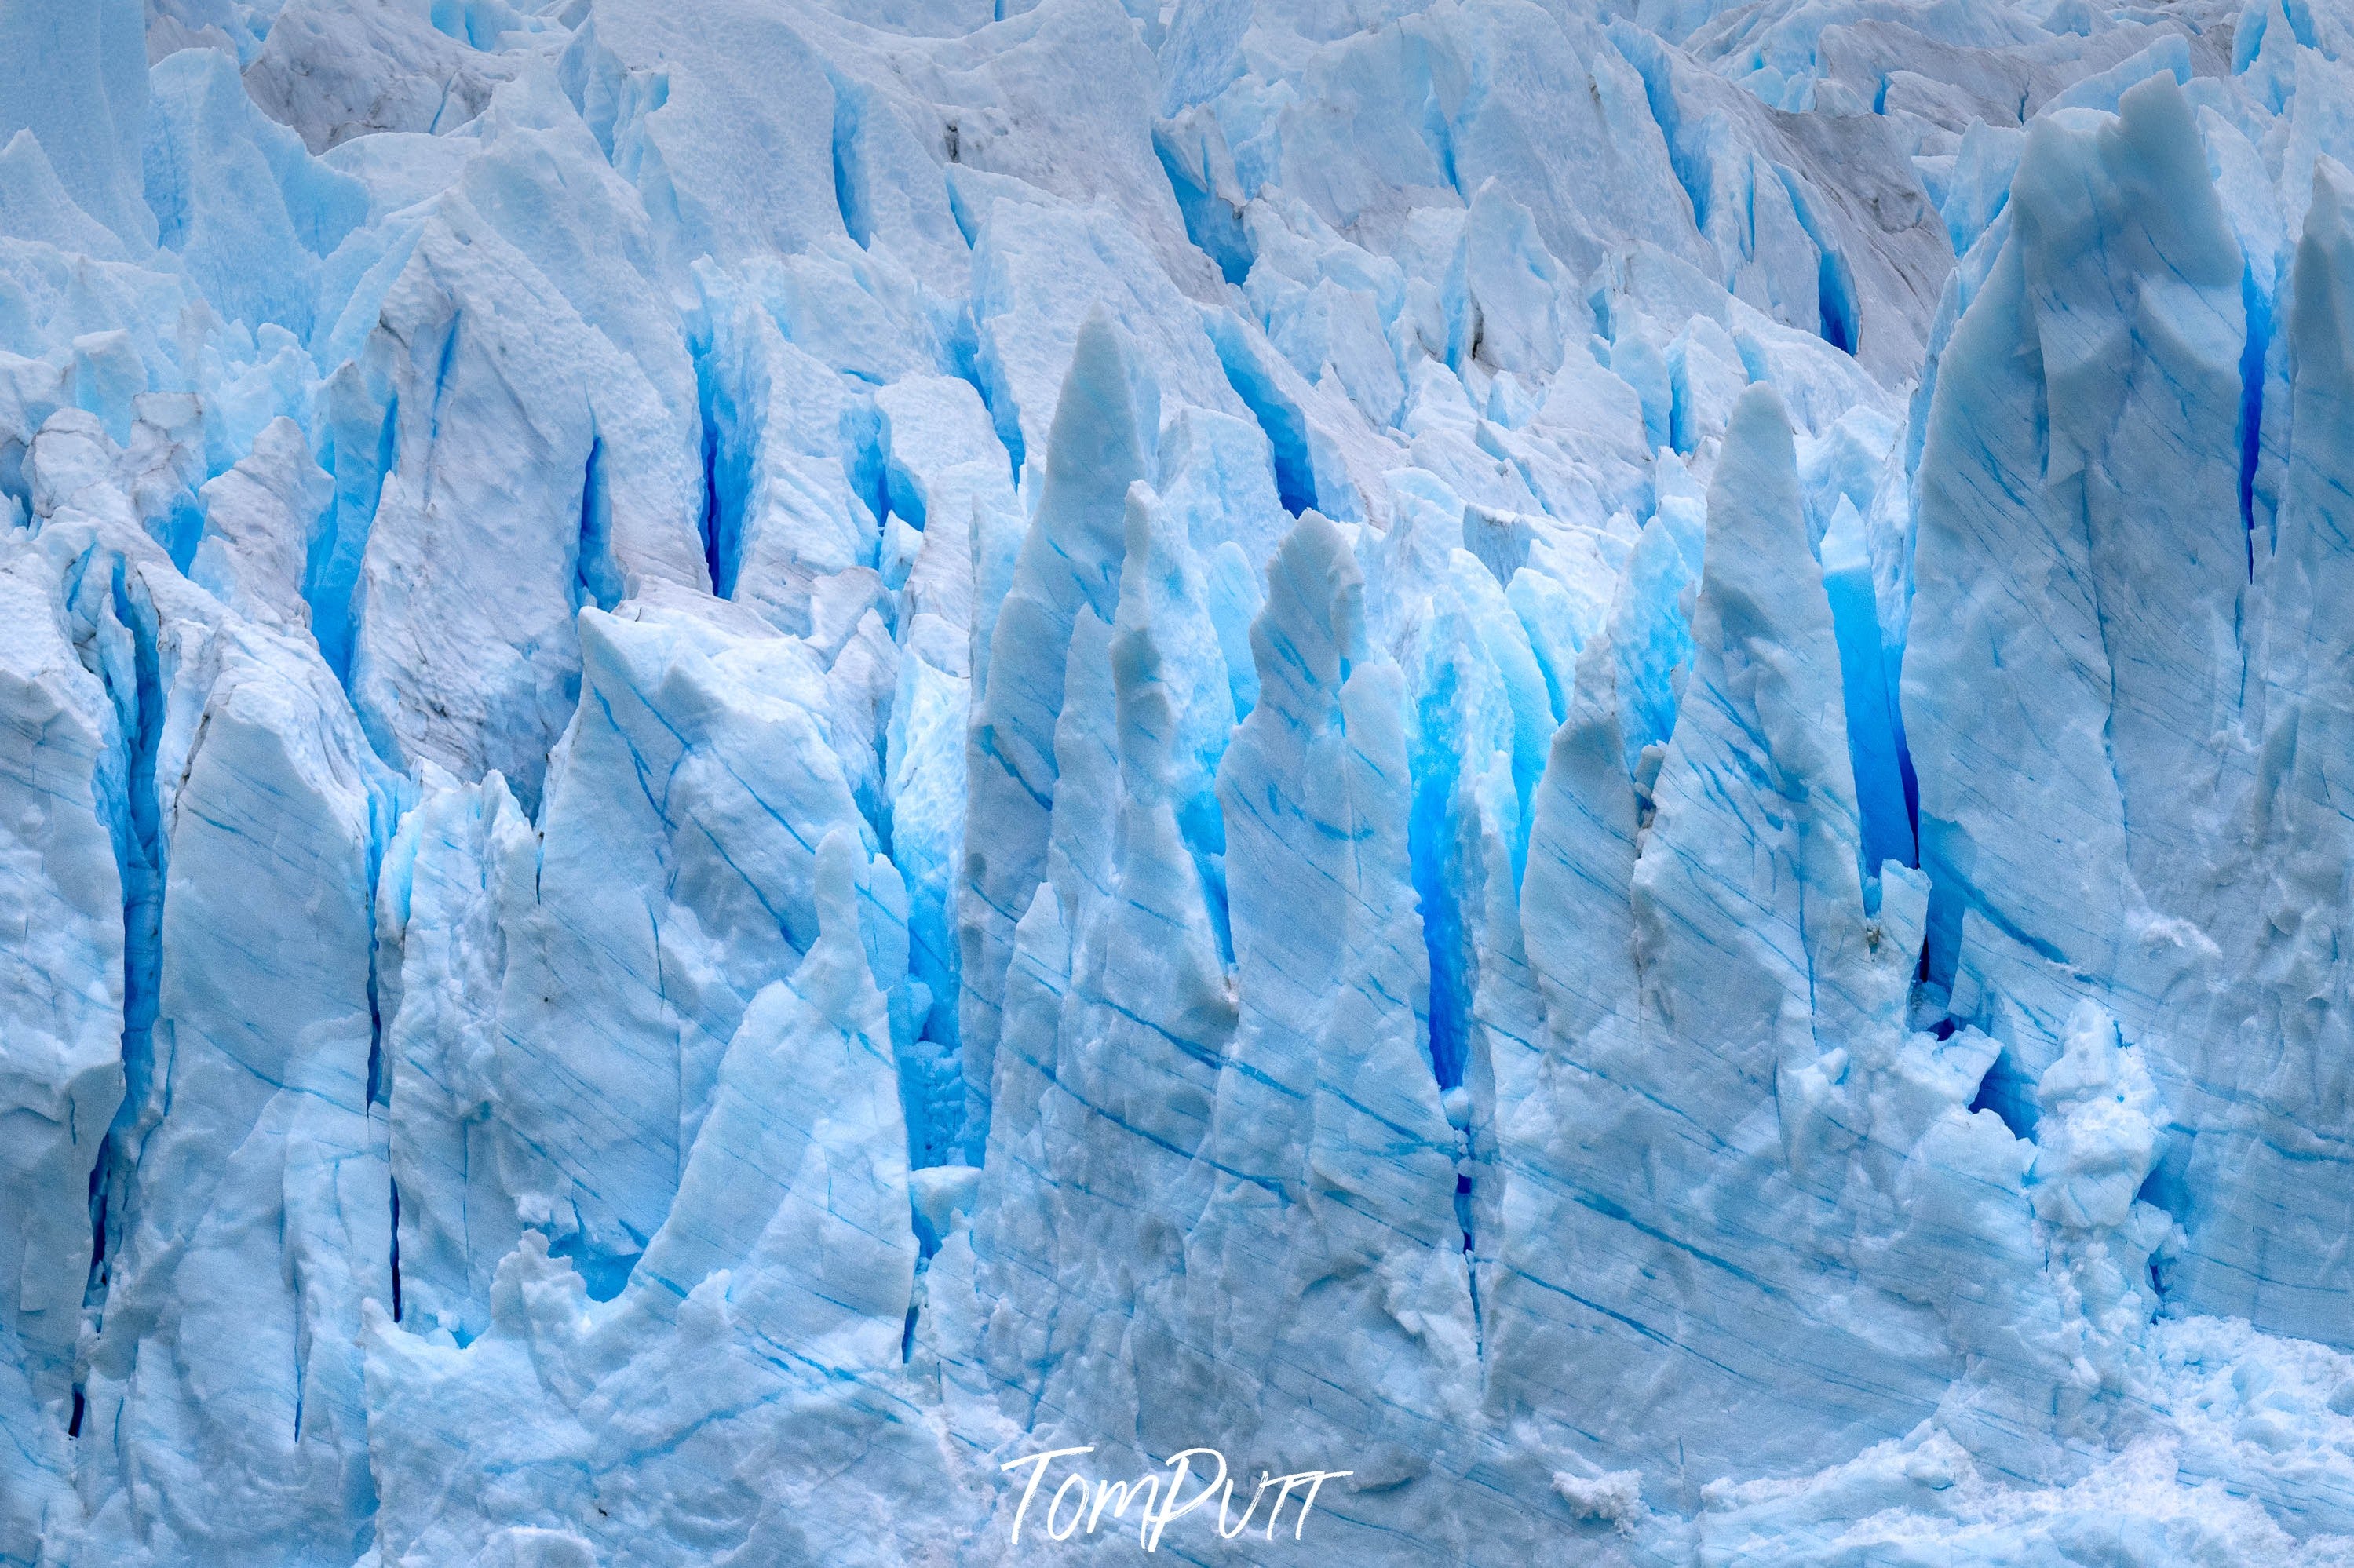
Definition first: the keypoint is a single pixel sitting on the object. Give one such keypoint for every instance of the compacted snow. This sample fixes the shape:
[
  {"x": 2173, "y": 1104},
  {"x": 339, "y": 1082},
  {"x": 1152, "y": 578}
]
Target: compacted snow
[{"x": 1594, "y": 756}]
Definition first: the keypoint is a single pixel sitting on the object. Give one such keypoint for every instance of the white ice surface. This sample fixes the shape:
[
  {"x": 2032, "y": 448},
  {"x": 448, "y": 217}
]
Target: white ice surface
[{"x": 1589, "y": 755}]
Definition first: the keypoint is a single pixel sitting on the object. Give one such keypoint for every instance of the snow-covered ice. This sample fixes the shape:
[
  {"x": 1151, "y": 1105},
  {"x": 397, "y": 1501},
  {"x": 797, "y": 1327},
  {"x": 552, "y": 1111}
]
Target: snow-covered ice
[{"x": 1591, "y": 757}]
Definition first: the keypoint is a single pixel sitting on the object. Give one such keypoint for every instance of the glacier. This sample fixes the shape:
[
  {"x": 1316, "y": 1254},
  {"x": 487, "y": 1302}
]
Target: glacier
[{"x": 1582, "y": 761}]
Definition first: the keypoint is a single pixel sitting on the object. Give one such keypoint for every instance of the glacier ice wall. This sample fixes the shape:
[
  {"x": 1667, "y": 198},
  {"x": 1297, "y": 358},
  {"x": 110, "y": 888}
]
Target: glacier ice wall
[{"x": 1591, "y": 756}]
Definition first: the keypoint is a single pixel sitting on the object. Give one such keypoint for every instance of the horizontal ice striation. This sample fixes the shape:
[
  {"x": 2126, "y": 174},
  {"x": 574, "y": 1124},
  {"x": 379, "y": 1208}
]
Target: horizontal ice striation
[{"x": 1590, "y": 756}]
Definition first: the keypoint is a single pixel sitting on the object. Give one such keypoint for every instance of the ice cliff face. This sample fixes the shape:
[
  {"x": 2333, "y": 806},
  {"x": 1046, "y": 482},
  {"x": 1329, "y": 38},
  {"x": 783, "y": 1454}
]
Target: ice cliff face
[{"x": 1590, "y": 756}]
